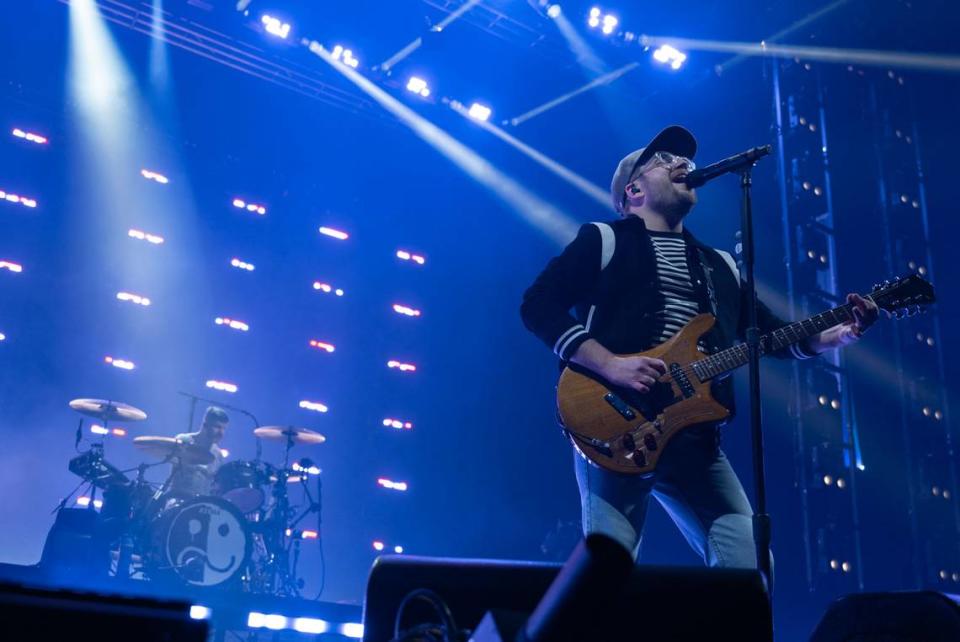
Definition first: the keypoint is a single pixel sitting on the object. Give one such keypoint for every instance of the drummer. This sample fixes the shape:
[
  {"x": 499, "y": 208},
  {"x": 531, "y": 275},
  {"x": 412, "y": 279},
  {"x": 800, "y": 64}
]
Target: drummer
[{"x": 190, "y": 478}]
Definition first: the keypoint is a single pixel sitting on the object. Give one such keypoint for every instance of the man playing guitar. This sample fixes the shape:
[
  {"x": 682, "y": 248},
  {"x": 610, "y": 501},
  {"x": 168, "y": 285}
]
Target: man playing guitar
[{"x": 634, "y": 283}]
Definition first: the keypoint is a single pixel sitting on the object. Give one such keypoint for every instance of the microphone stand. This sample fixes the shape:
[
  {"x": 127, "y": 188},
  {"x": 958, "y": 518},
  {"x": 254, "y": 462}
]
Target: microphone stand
[
  {"x": 761, "y": 520},
  {"x": 193, "y": 405}
]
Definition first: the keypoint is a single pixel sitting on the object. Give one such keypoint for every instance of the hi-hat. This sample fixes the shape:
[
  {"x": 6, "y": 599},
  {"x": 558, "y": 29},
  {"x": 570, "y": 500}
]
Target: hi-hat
[
  {"x": 289, "y": 433},
  {"x": 107, "y": 410},
  {"x": 166, "y": 447}
]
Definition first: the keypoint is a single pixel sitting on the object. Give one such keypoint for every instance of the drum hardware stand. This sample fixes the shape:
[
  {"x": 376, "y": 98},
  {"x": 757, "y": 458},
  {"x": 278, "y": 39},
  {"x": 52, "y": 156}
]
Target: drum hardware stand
[
  {"x": 127, "y": 538},
  {"x": 280, "y": 579},
  {"x": 98, "y": 454},
  {"x": 281, "y": 564}
]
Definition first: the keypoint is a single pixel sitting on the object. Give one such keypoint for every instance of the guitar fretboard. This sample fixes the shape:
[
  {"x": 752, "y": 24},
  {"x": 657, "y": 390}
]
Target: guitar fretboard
[{"x": 732, "y": 358}]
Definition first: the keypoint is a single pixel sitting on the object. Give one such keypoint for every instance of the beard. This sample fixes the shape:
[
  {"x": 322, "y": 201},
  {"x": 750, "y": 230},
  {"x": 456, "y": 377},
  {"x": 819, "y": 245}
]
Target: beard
[{"x": 673, "y": 202}]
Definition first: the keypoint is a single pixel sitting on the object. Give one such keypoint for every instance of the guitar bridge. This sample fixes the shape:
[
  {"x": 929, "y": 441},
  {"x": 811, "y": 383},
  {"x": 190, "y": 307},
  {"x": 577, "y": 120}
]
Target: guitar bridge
[{"x": 620, "y": 406}]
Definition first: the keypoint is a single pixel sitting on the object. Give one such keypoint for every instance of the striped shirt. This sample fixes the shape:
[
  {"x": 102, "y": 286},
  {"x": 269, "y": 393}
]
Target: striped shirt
[{"x": 673, "y": 277}]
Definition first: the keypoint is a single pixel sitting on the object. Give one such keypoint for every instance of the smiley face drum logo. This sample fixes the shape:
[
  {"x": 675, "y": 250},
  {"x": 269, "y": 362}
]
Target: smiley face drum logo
[{"x": 206, "y": 543}]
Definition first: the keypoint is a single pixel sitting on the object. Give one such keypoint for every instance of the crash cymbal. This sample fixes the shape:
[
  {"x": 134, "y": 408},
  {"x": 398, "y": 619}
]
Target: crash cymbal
[
  {"x": 107, "y": 410},
  {"x": 164, "y": 447},
  {"x": 294, "y": 434}
]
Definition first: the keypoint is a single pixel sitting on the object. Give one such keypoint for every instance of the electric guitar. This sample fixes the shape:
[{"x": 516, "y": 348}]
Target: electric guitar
[{"x": 623, "y": 430}]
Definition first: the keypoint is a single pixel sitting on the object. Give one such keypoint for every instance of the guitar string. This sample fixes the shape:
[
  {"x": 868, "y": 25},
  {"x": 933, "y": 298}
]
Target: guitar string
[
  {"x": 723, "y": 358},
  {"x": 736, "y": 352},
  {"x": 728, "y": 356}
]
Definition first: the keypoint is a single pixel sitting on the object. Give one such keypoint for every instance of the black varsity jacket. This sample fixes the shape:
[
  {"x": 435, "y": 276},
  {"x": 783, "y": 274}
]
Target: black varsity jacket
[{"x": 608, "y": 277}]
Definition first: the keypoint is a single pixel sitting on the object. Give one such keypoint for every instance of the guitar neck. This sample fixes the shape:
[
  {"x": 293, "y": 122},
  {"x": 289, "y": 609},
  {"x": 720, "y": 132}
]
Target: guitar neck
[{"x": 732, "y": 358}]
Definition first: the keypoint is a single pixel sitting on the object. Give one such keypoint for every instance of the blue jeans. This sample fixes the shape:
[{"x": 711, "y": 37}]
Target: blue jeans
[{"x": 696, "y": 485}]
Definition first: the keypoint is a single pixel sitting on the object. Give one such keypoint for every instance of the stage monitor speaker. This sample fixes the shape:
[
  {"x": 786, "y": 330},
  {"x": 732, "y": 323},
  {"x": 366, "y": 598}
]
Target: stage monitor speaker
[
  {"x": 891, "y": 617},
  {"x": 659, "y": 603},
  {"x": 28, "y": 613},
  {"x": 73, "y": 550}
]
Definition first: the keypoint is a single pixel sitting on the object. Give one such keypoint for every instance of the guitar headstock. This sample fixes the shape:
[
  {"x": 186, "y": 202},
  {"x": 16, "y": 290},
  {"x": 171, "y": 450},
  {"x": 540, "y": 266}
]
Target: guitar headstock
[{"x": 903, "y": 296}]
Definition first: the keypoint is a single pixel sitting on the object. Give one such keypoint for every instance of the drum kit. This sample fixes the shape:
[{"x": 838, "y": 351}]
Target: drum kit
[{"x": 242, "y": 536}]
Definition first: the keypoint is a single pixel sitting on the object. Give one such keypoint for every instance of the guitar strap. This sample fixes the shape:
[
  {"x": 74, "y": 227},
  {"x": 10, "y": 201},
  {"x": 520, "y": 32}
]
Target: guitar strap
[{"x": 708, "y": 278}]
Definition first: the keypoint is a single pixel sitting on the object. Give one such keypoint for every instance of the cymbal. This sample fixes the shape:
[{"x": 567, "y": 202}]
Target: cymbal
[
  {"x": 107, "y": 410},
  {"x": 164, "y": 447},
  {"x": 296, "y": 435}
]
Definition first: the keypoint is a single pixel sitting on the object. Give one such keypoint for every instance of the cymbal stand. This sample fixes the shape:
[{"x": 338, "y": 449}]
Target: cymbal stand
[{"x": 280, "y": 581}]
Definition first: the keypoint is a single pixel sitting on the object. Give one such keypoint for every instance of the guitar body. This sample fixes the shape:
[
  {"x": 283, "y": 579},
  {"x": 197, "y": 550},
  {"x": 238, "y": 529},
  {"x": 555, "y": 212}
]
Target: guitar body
[{"x": 626, "y": 431}]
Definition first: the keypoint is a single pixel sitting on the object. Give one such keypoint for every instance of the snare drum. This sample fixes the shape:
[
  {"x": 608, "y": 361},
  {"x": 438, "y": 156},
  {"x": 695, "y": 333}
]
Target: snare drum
[
  {"x": 200, "y": 541},
  {"x": 240, "y": 482}
]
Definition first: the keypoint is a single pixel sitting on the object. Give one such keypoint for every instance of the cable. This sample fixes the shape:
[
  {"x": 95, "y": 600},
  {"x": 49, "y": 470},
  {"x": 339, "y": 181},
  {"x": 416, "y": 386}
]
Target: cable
[
  {"x": 63, "y": 503},
  {"x": 447, "y": 629},
  {"x": 323, "y": 569}
]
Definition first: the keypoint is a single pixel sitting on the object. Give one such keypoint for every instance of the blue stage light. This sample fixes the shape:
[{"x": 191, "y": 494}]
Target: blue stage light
[
  {"x": 310, "y": 625},
  {"x": 408, "y": 256},
  {"x": 345, "y": 56},
  {"x": 670, "y": 56},
  {"x": 16, "y": 198},
  {"x": 133, "y": 298},
  {"x": 232, "y": 323},
  {"x": 243, "y": 265},
  {"x": 402, "y": 367},
  {"x": 418, "y": 86},
  {"x": 392, "y": 485},
  {"x": 607, "y": 22},
  {"x": 594, "y": 18},
  {"x": 352, "y": 630},
  {"x": 223, "y": 386},
  {"x": 250, "y": 207},
  {"x": 321, "y": 345},
  {"x": 11, "y": 266},
  {"x": 140, "y": 235},
  {"x": 30, "y": 136},
  {"x": 326, "y": 287},
  {"x": 554, "y": 11},
  {"x": 479, "y": 112},
  {"x": 405, "y": 310},
  {"x": 315, "y": 406},
  {"x": 154, "y": 176},
  {"x": 275, "y": 26},
  {"x": 123, "y": 364},
  {"x": 337, "y": 234},
  {"x": 399, "y": 424},
  {"x": 610, "y": 23}
]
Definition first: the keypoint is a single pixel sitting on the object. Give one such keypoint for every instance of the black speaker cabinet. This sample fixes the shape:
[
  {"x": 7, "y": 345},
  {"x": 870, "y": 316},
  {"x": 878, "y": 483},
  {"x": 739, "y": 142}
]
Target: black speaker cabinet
[
  {"x": 908, "y": 616},
  {"x": 659, "y": 603},
  {"x": 28, "y": 613}
]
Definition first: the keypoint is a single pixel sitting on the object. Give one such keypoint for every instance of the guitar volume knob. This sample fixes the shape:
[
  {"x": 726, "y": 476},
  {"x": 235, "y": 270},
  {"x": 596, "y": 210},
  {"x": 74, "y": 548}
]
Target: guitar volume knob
[{"x": 650, "y": 442}]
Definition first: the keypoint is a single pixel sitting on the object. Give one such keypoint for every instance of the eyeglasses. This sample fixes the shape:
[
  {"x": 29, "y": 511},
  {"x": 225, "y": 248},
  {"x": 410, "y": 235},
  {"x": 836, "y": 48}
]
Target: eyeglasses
[{"x": 665, "y": 159}]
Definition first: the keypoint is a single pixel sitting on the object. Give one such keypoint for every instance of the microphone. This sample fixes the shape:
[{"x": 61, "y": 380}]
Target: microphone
[{"x": 698, "y": 177}]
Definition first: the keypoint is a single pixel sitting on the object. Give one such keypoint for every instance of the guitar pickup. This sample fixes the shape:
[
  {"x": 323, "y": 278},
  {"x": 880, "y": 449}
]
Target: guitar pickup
[{"x": 620, "y": 406}]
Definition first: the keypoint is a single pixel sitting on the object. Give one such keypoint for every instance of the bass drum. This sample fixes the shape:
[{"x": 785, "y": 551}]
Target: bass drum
[{"x": 199, "y": 541}]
